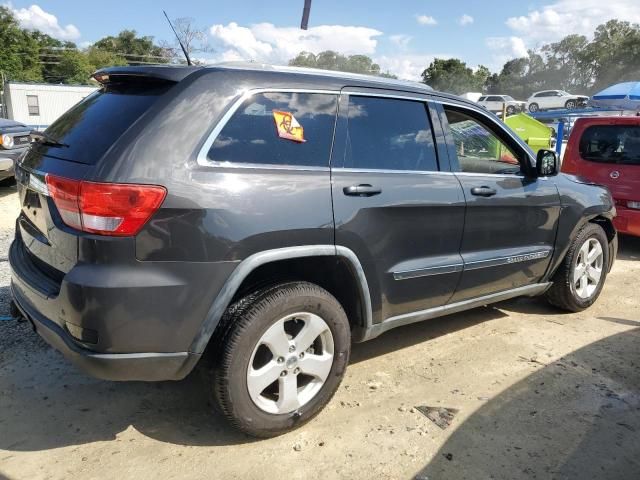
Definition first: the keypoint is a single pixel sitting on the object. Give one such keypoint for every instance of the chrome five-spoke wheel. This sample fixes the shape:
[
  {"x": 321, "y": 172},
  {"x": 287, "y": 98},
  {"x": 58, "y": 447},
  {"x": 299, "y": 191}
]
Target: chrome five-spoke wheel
[
  {"x": 588, "y": 269},
  {"x": 290, "y": 363}
]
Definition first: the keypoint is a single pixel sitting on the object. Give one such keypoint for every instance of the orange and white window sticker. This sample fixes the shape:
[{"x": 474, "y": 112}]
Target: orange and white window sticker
[{"x": 288, "y": 127}]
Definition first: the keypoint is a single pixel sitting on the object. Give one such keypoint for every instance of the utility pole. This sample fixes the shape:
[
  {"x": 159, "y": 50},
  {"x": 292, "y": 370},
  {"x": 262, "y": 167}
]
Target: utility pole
[{"x": 305, "y": 15}]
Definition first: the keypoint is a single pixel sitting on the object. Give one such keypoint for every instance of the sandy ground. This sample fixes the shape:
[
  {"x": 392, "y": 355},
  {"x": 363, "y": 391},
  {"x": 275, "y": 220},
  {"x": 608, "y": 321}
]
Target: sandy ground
[{"x": 540, "y": 394}]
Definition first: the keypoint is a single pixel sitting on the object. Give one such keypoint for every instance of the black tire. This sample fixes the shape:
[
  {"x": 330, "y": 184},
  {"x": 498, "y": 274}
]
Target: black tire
[
  {"x": 533, "y": 108},
  {"x": 511, "y": 110},
  {"x": 246, "y": 322},
  {"x": 570, "y": 105},
  {"x": 562, "y": 293}
]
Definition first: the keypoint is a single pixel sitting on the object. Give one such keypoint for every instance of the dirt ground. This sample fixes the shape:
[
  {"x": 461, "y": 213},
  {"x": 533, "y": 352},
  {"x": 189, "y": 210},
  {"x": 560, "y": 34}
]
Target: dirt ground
[{"x": 541, "y": 394}]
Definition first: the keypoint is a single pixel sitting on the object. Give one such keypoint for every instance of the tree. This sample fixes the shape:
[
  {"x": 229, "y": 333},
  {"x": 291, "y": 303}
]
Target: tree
[
  {"x": 193, "y": 38},
  {"x": 135, "y": 50},
  {"x": 330, "y": 60},
  {"x": 566, "y": 64},
  {"x": 453, "y": 75},
  {"x": 19, "y": 56}
]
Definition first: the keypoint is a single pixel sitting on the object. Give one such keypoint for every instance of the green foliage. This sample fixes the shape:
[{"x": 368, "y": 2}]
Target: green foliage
[
  {"x": 33, "y": 56},
  {"x": 330, "y": 60},
  {"x": 136, "y": 49},
  {"x": 453, "y": 75}
]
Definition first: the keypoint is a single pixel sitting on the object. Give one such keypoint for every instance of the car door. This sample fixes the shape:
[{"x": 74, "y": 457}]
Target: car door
[
  {"x": 495, "y": 104},
  {"x": 397, "y": 206},
  {"x": 511, "y": 216}
]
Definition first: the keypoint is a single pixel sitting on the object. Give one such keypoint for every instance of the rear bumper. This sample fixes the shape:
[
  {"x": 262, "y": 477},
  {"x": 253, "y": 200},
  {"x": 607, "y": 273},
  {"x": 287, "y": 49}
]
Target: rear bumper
[
  {"x": 627, "y": 221},
  {"x": 107, "y": 366}
]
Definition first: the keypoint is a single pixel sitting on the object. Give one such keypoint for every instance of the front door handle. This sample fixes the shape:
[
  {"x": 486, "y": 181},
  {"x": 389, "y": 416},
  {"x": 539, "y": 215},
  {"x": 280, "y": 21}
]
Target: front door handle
[
  {"x": 362, "y": 190},
  {"x": 483, "y": 191}
]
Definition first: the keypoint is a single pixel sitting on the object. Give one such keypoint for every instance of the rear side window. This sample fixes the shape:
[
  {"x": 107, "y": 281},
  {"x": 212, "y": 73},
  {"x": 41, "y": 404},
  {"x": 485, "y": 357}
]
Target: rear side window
[
  {"x": 389, "y": 134},
  {"x": 482, "y": 99},
  {"x": 611, "y": 144},
  {"x": 253, "y": 135},
  {"x": 92, "y": 126}
]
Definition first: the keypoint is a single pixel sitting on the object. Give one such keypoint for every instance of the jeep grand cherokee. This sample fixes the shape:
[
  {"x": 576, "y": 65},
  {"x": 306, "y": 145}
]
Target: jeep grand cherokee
[{"x": 259, "y": 220}]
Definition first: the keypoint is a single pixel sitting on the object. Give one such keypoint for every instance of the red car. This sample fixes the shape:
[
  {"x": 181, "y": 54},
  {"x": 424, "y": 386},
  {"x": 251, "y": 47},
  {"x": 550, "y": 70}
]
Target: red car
[{"x": 606, "y": 150}]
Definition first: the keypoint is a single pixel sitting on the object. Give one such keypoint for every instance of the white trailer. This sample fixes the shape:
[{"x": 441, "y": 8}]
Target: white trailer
[{"x": 39, "y": 105}]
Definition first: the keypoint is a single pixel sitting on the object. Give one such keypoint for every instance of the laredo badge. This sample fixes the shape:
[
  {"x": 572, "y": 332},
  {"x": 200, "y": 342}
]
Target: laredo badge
[{"x": 288, "y": 127}]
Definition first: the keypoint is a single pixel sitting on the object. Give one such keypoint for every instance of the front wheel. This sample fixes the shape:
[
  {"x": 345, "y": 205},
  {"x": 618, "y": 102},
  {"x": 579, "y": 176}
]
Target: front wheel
[
  {"x": 579, "y": 280},
  {"x": 533, "y": 108},
  {"x": 570, "y": 105},
  {"x": 283, "y": 357},
  {"x": 511, "y": 110}
]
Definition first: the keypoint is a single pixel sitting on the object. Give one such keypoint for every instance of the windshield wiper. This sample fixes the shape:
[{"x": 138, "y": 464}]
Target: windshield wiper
[{"x": 45, "y": 139}]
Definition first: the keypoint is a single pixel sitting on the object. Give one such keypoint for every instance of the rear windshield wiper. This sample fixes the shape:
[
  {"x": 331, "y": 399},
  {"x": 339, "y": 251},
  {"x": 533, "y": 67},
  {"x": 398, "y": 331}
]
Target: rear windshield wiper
[{"x": 45, "y": 139}]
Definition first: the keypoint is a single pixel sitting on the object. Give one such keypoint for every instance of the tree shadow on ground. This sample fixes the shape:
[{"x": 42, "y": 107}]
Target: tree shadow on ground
[{"x": 578, "y": 417}]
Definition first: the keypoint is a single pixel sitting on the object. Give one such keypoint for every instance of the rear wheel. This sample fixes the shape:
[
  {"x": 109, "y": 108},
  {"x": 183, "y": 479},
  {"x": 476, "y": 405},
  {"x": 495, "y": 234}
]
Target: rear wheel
[
  {"x": 533, "y": 107},
  {"x": 283, "y": 356},
  {"x": 579, "y": 280}
]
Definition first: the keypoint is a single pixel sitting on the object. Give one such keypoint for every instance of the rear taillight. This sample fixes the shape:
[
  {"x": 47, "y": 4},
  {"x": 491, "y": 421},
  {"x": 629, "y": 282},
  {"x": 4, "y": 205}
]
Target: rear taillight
[{"x": 117, "y": 209}]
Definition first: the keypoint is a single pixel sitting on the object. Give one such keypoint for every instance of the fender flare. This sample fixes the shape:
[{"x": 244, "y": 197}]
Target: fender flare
[{"x": 249, "y": 264}]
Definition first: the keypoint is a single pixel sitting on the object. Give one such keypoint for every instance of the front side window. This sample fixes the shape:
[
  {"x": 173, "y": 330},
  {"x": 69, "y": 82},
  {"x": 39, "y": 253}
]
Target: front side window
[
  {"x": 389, "y": 134},
  {"x": 611, "y": 144},
  {"x": 33, "y": 105},
  {"x": 257, "y": 132},
  {"x": 479, "y": 149}
]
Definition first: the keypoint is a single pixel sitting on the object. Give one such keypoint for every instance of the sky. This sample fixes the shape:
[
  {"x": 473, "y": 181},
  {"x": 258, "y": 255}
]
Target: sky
[{"x": 403, "y": 36}]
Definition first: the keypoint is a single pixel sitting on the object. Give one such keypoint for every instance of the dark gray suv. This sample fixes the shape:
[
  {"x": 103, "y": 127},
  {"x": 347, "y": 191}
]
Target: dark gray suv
[{"x": 258, "y": 220}]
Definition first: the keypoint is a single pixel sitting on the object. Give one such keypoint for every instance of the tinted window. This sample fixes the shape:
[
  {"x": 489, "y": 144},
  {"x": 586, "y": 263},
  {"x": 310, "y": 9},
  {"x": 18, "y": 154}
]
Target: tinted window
[
  {"x": 251, "y": 136},
  {"x": 479, "y": 149},
  {"x": 93, "y": 125},
  {"x": 611, "y": 144},
  {"x": 495, "y": 99},
  {"x": 389, "y": 134},
  {"x": 482, "y": 99}
]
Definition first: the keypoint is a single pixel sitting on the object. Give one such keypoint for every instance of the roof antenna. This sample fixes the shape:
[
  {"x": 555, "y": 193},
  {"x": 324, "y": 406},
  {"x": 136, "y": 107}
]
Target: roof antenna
[{"x": 184, "y": 50}]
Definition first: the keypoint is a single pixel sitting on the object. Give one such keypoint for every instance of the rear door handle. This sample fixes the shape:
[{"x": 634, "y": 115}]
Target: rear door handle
[
  {"x": 362, "y": 190},
  {"x": 483, "y": 191}
]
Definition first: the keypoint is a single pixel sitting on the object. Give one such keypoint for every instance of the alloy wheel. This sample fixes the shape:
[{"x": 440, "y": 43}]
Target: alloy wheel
[
  {"x": 588, "y": 268},
  {"x": 290, "y": 363}
]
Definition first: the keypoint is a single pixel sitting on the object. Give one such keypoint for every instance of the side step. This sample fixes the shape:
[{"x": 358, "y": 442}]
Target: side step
[{"x": 413, "y": 317}]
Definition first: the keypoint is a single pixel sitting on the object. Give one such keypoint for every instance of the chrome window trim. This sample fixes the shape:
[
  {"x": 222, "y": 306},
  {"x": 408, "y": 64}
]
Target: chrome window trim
[
  {"x": 399, "y": 96},
  {"x": 405, "y": 172},
  {"x": 204, "y": 161}
]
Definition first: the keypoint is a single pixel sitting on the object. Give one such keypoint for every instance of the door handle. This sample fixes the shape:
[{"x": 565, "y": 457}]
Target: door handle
[
  {"x": 483, "y": 191},
  {"x": 362, "y": 190}
]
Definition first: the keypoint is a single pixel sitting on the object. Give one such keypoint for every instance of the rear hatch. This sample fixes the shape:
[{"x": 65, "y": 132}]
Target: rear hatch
[
  {"x": 72, "y": 149},
  {"x": 611, "y": 155}
]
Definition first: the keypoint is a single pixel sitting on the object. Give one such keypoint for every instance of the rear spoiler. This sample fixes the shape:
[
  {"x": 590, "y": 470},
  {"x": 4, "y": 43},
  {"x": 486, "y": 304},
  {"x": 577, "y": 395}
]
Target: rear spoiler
[{"x": 167, "y": 73}]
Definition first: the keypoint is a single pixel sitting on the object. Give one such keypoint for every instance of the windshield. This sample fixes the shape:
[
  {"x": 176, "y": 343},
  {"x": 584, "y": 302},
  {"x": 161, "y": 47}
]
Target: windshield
[
  {"x": 509, "y": 98},
  {"x": 89, "y": 128},
  {"x": 618, "y": 144}
]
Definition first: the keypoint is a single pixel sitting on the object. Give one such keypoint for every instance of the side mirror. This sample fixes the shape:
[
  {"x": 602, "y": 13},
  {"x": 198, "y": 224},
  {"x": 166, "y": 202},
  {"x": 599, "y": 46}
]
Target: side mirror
[{"x": 547, "y": 163}]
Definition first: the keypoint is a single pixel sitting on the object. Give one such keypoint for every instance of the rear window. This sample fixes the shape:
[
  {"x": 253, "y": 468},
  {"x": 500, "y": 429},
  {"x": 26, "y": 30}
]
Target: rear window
[
  {"x": 90, "y": 127},
  {"x": 611, "y": 144},
  {"x": 279, "y": 128}
]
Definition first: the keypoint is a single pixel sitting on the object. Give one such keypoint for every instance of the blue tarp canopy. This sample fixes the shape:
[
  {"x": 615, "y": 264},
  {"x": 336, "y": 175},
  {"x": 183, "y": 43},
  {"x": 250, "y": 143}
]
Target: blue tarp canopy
[{"x": 622, "y": 96}]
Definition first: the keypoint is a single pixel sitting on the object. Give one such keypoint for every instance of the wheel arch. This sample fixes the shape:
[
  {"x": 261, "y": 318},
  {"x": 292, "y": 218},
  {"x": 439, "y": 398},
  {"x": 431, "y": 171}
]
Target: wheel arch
[{"x": 254, "y": 270}]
